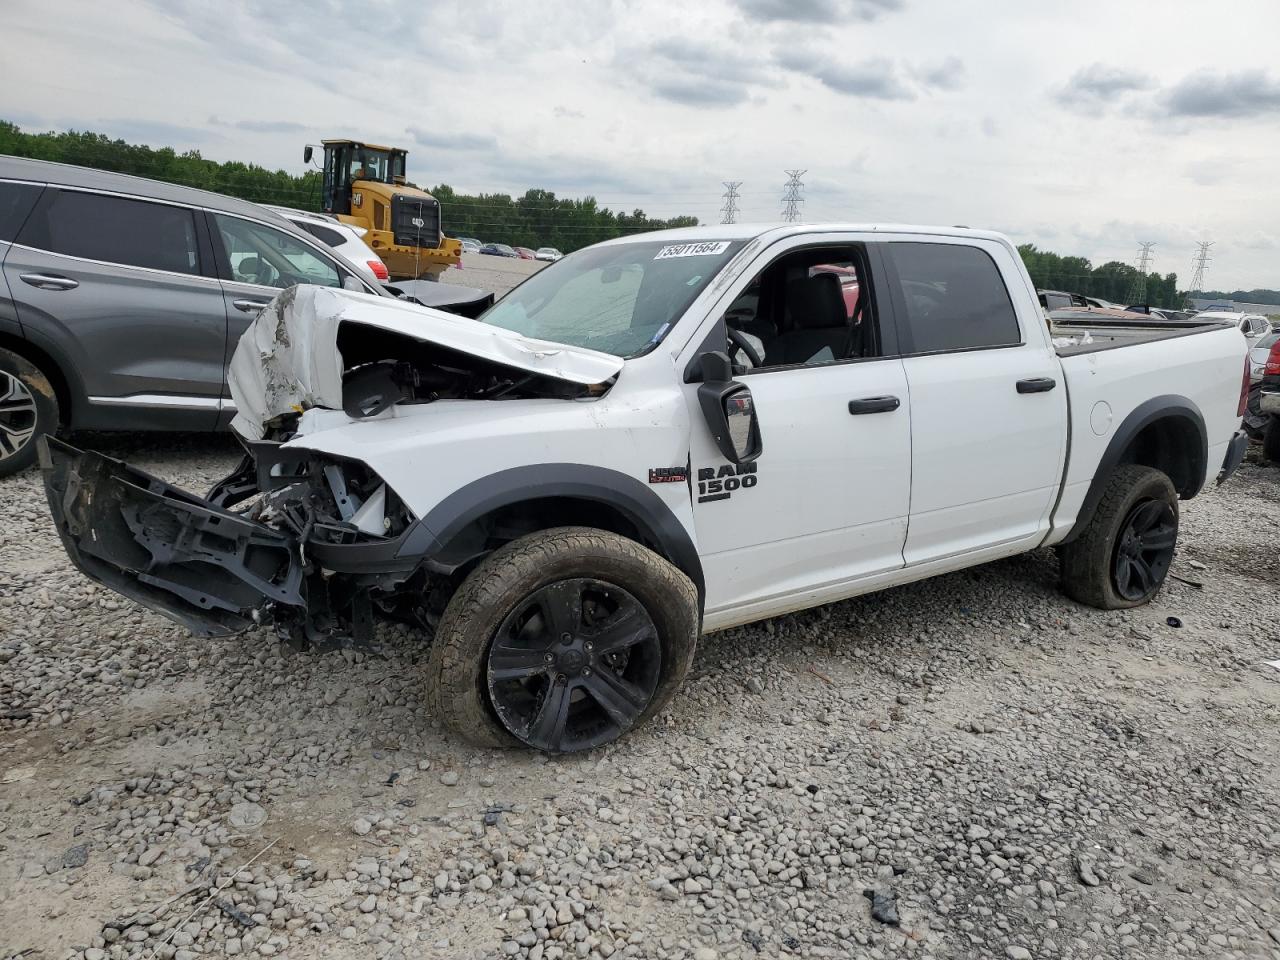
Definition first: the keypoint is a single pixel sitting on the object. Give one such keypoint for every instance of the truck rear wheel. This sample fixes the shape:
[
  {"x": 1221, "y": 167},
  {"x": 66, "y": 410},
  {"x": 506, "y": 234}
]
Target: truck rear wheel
[
  {"x": 1271, "y": 440},
  {"x": 1123, "y": 556},
  {"x": 562, "y": 641},
  {"x": 28, "y": 410}
]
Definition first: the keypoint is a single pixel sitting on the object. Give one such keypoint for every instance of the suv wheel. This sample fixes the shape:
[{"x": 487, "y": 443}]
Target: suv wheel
[
  {"x": 1123, "y": 556},
  {"x": 28, "y": 410},
  {"x": 1271, "y": 440},
  {"x": 562, "y": 641}
]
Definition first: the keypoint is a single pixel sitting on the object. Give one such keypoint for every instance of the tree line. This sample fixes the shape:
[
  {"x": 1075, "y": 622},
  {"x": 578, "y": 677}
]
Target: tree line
[
  {"x": 1244, "y": 296},
  {"x": 1112, "y": 281},
  {"x": 538, "y": 218}
]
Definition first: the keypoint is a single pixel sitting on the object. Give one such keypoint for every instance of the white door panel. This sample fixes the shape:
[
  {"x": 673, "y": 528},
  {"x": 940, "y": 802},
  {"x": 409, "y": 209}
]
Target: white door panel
[
  {"x": 986, "y": 460},
  {"x": 831, "y": 490}
]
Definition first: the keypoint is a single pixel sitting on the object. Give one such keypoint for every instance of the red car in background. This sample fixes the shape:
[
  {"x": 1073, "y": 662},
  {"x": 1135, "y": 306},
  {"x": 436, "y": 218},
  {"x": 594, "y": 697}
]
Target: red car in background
[{"x": 525, "y": 253}]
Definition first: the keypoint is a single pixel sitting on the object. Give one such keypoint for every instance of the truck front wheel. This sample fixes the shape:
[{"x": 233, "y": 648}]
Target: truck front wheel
[
  {"x": 562, "y": 640},
  {"x": 1123, "y": 556}
]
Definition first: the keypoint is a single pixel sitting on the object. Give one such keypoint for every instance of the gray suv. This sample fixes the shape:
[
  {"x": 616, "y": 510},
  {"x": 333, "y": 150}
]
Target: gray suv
[{"x": 122, "y": 299}]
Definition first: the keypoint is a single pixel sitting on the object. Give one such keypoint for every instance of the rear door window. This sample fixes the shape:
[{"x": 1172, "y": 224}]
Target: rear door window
[
  {"x": 134, "y": 233},
  {"x": 16, "y": 201},
  {"x": 953, "y": 298}
]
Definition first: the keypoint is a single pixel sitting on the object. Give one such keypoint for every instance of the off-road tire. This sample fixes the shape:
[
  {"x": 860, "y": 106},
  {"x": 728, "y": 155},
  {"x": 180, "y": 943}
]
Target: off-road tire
[
  {"x": 1087, "y": 562},
  {"x": 1271, "y": 440},
  {"x": 46, "y": 409},
  {"x": 456, "y": 688}
]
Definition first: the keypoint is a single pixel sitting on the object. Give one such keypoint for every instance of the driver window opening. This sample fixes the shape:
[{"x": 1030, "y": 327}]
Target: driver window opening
[{"x": 807, "y": 308}]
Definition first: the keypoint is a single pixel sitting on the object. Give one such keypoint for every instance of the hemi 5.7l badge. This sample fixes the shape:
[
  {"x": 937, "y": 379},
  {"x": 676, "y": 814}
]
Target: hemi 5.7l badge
[
  {"x": 719, "y": 484},
  {"x": 668, "y": 474}
]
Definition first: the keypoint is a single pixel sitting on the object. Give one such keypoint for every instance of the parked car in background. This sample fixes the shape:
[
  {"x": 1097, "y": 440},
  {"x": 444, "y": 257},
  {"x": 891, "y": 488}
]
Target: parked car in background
[
  {"x": 1269, "y": 403},
  {"x": 471, "y": 240},
  {"x": 1260, "y": 352},
  {"x": 346, "y": 238},
  {"x": 524, "y": 253},
  {"x": 1058, "y": 300},
  {"x": 470, "y": 246},
  {"x": 123, "y": 299},
  {"x": 550, "y": 254},
  {"x": 1252, "y": 325},
  {"x": 498, "y": 250}
]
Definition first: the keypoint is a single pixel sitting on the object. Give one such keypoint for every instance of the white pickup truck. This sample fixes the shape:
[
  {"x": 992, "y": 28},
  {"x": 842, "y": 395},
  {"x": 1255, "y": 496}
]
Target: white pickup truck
[{"x": 657, "y": 437}]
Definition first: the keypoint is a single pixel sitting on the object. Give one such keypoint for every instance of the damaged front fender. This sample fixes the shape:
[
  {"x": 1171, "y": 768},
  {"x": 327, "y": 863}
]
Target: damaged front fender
[{"x": 212, "y": 571}]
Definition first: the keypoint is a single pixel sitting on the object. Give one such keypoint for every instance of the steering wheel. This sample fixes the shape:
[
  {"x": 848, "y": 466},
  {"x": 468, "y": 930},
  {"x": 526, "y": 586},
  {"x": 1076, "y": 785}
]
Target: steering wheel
[{"x": 738, "y": 342}]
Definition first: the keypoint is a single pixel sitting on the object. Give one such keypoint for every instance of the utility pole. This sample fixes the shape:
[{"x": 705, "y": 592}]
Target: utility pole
[
  {"x": 1138, "y": 292},
  {"x": 1201, "y": 261},
  {"x": 730, "y": 208},
  {"x": 792, "y": 195}
]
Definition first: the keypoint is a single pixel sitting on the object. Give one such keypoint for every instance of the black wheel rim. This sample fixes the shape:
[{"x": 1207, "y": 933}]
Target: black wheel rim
[
  {"x": 1144, "y": 550},
  {"x": 17, "y": 415},
  {"x": 574, "y": 665}
]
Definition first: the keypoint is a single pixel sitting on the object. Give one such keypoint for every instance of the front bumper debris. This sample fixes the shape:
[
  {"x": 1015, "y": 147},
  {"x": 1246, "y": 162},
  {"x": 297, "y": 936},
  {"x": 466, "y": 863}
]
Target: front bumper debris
[
  {"x": 1235, "y": 454},
  {"x": 210, "y": 570}
]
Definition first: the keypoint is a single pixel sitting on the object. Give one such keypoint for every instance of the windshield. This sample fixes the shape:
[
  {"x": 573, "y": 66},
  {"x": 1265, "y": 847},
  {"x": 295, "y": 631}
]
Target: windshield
[
  {"x": 369, "y": 164},
  {"x": 619, "y": 299}
]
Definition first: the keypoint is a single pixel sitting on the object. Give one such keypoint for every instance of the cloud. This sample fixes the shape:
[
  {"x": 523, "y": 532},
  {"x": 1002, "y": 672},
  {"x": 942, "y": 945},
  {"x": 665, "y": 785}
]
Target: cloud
[
  {"x": 872, "y": 79},
  {"x": 817, "y": 11},
  {"x": 693, "y": 73},
  {"x": 946, "y": 75},
  {"x": 1099, "y": 84},
  {"x": 261, "y": 126},
  {"x": 1249, "y": 93},
  {"x": 444, "y": 140}
]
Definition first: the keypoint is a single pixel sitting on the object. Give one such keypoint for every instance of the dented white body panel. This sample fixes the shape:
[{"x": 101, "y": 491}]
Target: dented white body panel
[{"x": 288, "y": 359}]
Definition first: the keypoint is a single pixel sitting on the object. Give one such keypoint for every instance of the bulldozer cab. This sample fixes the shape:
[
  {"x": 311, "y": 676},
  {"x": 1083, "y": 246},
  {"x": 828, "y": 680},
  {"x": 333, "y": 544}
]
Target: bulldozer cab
[{"x": 347, "y": 162}]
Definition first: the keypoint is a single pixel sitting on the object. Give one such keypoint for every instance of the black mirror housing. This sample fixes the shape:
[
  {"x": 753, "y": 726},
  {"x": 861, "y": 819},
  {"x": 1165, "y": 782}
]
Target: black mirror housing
[
  {"x": 729, "y": 410},
  {"x": 306, "y": 154}
]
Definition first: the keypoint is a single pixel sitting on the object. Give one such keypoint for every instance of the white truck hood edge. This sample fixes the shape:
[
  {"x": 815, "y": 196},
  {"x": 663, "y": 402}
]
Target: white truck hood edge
[{"x": 288, "y": 359}]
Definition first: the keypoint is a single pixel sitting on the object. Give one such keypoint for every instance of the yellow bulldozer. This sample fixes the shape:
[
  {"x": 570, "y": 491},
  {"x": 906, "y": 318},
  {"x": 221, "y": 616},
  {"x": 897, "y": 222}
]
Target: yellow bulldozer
[{"x": 365, "y": 185}]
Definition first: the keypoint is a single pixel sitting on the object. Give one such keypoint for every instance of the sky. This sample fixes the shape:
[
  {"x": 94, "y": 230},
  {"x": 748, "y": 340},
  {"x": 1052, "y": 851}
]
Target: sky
[{"x": 1083, "y": 127}]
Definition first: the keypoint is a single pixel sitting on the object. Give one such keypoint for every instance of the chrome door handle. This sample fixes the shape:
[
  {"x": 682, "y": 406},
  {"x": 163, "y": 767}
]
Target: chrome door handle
[
  {"x": 874, "y": 405},
  {"x": 49, "y": 281},
  {"x": 249, "y": 306},
  {"x": 1037, "y": 385}
]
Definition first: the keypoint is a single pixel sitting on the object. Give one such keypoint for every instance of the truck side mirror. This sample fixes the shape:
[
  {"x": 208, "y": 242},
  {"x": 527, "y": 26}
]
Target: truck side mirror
[
  {"x": 729, "y": 410},
  {"x": 306, "y": 154}
]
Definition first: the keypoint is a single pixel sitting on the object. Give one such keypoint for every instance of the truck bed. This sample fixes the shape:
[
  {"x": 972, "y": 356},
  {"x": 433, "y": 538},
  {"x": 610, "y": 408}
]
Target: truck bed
[{"x": 1094, "y": 336}]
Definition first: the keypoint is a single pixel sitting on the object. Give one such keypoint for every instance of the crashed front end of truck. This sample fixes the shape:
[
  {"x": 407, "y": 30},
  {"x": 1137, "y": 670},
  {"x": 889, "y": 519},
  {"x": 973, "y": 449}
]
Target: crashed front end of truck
[{"x": 314, "y": 544}]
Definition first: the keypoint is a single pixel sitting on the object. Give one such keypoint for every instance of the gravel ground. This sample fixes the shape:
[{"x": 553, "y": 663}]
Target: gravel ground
[{"x": 971, "y": 766}]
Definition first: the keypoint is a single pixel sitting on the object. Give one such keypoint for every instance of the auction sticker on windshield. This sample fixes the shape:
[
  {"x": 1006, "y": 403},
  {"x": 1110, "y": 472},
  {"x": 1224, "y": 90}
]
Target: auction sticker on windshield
[{"x": 708, "y": 248}]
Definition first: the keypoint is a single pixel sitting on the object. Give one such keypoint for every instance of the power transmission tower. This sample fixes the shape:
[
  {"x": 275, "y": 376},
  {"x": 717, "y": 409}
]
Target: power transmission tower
[
  {"x": 1138, "y": 291},
  {"x": 791, "y": 195},
  {"x": 730, "y": 208},
  {"x": 1202, "y": 261}
]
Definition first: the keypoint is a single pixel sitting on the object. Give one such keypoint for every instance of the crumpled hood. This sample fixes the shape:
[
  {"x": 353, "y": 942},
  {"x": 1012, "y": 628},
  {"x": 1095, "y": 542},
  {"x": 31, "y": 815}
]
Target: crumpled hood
[{"x": 288, "y": 359}]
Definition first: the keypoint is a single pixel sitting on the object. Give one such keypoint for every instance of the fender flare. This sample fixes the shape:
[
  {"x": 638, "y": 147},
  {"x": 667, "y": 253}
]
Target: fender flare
[
  {"x": 1142, "y": 416},
  {"x": 440, "y": 535}
]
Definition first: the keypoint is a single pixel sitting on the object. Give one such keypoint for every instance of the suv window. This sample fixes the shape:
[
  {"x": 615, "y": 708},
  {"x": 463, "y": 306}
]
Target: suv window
[
  {"x": 271, "y": 258},
  {"x": 16, "y": 201},
  {"x": 953, "y": 297},
  {"x": 135, "y": 233},
  {"x": 325, "y": 235}
]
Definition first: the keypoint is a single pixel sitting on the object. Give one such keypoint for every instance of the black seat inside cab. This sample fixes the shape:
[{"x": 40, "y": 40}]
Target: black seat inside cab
[{"x": 819, "y": 329}]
